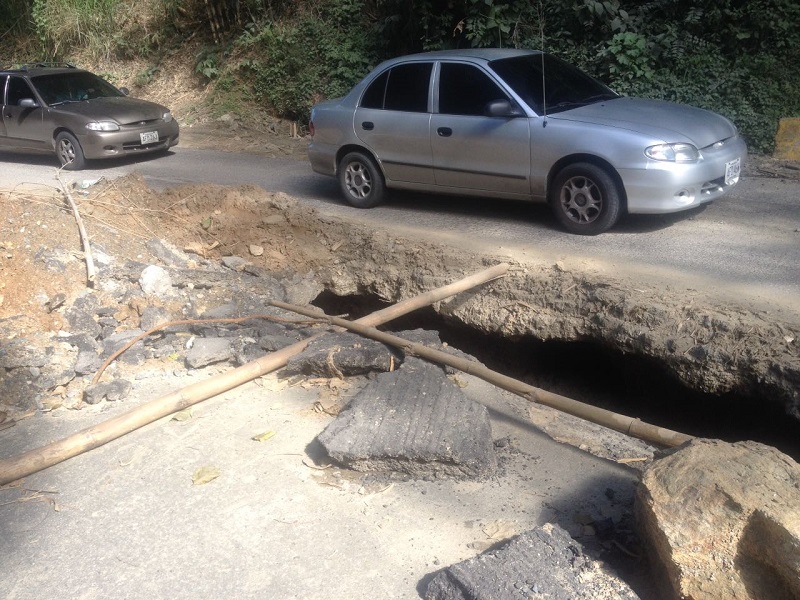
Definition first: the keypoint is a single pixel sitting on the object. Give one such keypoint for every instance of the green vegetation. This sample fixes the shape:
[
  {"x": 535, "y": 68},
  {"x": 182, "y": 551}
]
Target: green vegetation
[{"x": 737, "y": 58}]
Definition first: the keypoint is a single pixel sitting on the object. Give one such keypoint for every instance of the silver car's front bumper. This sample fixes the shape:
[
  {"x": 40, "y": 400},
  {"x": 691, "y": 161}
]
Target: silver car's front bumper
[
  {"x": 128, "y": 140},
  {"x": 665, "y": 187}
]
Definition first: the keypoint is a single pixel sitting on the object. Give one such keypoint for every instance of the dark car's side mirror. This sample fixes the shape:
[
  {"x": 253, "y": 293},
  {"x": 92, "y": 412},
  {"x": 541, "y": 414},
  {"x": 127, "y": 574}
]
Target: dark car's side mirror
[
  {"x": 125, "y": 91},
  {"x": 502, "y": 108},
  {"x": 28, "y": 103}
]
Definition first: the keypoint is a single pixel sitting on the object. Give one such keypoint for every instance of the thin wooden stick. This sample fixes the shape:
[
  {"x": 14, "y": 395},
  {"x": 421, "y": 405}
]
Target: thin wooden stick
[
  {"x": 87, "y": 249},
  {"x": 594, "y": 414},
  {"x": 35, "y": 460}
]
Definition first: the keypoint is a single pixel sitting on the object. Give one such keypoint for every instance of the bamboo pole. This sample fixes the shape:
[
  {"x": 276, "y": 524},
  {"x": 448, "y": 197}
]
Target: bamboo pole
[
  {"x": 616, "y": 421},
  {"x": 38, "y": 459}
]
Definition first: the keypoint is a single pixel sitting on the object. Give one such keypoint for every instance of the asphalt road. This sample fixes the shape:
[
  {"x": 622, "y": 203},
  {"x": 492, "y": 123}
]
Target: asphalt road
[{"x": 744, "y": 247}]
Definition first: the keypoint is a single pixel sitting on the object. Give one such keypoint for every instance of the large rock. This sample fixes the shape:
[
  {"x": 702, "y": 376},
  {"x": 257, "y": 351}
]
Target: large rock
[
  {"x": 722, "y": 521},
  {"x": 342, "y": 355},
  {"x": 542, "y": 563},
  {"x": 415, "y": 421}
]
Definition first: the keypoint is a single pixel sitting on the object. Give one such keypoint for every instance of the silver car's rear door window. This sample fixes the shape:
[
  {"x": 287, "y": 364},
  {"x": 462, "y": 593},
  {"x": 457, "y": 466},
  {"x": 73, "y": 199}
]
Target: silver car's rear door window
[{"x": 393, "y": 120}]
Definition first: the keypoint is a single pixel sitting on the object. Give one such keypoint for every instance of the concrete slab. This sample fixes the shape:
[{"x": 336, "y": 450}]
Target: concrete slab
[
  {"x": 415, "y": 421},
  {"x": 544, "y": 562}
]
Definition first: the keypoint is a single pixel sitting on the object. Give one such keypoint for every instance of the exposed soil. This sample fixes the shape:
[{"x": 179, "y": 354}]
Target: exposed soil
[{"x": 712, "y": 349}]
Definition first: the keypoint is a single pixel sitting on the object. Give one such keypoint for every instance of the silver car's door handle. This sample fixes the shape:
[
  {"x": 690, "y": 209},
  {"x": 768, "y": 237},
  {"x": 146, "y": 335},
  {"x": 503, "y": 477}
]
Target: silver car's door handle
[
  {"x": 368, "y": 125},
  {"x": 444, "y": 132}
]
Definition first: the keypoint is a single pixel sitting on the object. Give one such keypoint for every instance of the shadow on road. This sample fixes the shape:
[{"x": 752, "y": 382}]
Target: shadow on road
[
  {"x": 535, "y": 214},
  {"x": 46, "y": 159}
]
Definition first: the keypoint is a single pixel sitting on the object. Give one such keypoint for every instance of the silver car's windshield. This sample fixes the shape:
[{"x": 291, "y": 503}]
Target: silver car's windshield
[
  {"x": 60, "y": 88},
  {"x": 563, "y": 86}
]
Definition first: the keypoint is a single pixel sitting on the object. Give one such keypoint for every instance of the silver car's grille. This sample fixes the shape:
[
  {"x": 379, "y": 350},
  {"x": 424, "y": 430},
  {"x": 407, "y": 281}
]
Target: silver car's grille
[{"x": 715, "y": 185}]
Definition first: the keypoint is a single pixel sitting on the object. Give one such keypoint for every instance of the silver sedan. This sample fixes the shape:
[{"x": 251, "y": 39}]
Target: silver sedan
[{"x": 521, "y": 124}]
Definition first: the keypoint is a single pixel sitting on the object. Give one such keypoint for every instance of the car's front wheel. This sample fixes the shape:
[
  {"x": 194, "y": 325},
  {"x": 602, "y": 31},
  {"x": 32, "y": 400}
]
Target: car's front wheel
[
  {"x": 361, "y": 181},
  {"x": 69, "y": 152},
  {"x": 585, "y": 199}
]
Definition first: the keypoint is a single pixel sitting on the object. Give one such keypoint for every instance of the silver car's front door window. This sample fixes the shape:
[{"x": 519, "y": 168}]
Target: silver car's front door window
[
  {"x": 393, "y": 119},
  {"x": 473, "y": 150}
]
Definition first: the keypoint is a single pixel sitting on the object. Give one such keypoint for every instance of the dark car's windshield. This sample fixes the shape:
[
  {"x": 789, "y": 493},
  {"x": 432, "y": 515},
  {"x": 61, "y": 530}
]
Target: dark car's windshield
[
  {"x": 58, "y": 88},
  {"x": 564, "y": 86}
]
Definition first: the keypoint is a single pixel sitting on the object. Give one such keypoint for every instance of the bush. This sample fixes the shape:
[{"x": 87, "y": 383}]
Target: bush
[
  {"x": 319, "y": 54},
  {"x": 62, "y": 24}
]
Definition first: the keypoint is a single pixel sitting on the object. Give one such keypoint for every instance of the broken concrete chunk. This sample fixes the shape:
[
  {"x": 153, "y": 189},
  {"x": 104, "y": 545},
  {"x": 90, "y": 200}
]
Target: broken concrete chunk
[
  {"x": 234, "y": 263},
  {"x": 153, "y": 316},
  {"x": 207, "y": 351},
  {"x": 722, "y": 521},
  {"x": 168, "y": 253},
  {"x": 135, "y": 355},
  {"x": 88, "y": 362},
  {"x": 118, "y": 389},
  {"x": 155, "y": 281},
  {"x": 302, "y": 289},
  {"x": 542, "y": 563},
  {"x": 17, "y": 353},
  {"x": 415, "y": 421},
  {"x": 342, "y": 355},
  {"x": 80, "y": 316}
]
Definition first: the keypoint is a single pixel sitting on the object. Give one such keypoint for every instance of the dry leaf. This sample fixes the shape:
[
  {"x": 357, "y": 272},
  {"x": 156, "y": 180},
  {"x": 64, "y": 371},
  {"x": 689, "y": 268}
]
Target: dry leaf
[
  {"x": 263, "y": 437},
  {"x": 183, "y": 415},
  {"x": 205, "y": 474},
  {"x": 499, "y": 530}
]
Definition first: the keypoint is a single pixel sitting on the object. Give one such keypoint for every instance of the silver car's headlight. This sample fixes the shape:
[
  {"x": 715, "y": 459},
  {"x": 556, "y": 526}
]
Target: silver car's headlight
[
  {"x": 167, "y": 117},
  {"x": 102, "y": 126},
  {"x": 681, "y": 153}
]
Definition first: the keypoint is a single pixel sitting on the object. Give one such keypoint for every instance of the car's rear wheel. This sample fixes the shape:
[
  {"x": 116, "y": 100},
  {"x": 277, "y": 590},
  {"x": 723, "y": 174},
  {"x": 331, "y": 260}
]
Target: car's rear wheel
[
  {"x": 69, "y": 152},
  {"x": 585, "y": 199},
  {"x": 361, "y": 181}
]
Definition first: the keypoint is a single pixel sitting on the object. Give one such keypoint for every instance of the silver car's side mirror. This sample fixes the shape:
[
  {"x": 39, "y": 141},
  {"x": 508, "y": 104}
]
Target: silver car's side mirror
[
  {"x": 28, "y": 103},
  {"x": 502, "y": 108}
]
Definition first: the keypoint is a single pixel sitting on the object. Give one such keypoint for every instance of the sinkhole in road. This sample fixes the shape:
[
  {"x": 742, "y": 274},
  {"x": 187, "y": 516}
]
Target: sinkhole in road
[{"x": 593, "y": 373}]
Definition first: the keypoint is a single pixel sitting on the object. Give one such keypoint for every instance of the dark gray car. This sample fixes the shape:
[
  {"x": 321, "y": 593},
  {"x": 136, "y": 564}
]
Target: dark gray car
[
  {"x": 521, "y": 124},
  {"x": 78, "y": 115}
]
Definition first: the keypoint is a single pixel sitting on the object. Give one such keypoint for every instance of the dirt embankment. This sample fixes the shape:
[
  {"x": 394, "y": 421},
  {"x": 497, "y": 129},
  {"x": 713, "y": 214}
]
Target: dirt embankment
[{"x": 711, "y": 348}]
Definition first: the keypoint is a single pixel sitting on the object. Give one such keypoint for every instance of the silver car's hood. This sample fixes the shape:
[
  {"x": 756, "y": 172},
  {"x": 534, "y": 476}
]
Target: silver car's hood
[
  {"x": 667, "y": 121},
  {"x": 123, "y": 110}
]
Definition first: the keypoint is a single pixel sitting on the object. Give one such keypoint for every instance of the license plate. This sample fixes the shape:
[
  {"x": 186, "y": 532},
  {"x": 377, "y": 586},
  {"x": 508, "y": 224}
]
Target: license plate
[
  {"x": 732, "y": 171},
  {"x": 151, "y": 137}
]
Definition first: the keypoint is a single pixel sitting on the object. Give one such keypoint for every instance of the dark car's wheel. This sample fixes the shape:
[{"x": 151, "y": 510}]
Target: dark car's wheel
[
  {"x": 361, "y": 181},
  {"x": 585, "y": 199},
  {"x": 69, "y": 152}
]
